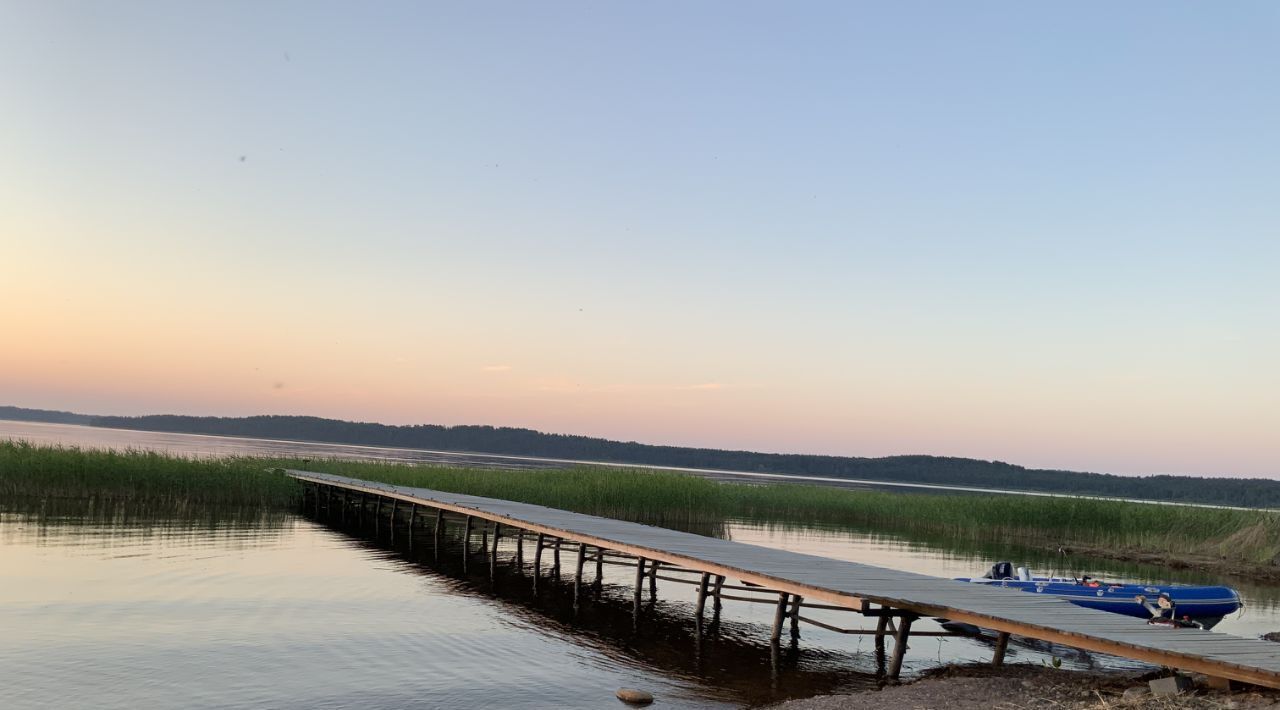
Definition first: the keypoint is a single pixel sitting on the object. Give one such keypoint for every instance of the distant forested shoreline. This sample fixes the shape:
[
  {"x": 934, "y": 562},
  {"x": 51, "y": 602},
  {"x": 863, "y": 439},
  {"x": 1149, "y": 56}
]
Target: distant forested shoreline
[{"x": 940, "y": 470}]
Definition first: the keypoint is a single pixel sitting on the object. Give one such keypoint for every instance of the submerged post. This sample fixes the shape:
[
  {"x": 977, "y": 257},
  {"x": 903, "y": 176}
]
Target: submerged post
[
  {"x": 435, "y": 532},
  {"x": 598, "y": 584},
  {"x": 796, "y": 601},
  {"x": 653, "y": 580},
  {"x": 555, "y": 560},
  {"x": 519, "y": 551},
  {"x": 702, "y": 597},
  {"x": 493, "y": 553},
  {"x": 466, "y": 544},
  {"x": 882, "y": 624},
  {"x": 537, "y": 560},
  {"x": 1002, "y": 643},
  {"x": 394, "y": 502},
  {"x": 900, "y": 645},
  {"x": 639, "y": 584},
  {"x": 779, "y": 613},
  {"x": 577, "y": 577}
]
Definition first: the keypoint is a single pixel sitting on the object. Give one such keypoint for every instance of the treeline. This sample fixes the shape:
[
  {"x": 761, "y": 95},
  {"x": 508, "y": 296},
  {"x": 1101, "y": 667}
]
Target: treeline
[
  {"x": 1260, "y": 493},
  {"x": 43, "y": 415}
]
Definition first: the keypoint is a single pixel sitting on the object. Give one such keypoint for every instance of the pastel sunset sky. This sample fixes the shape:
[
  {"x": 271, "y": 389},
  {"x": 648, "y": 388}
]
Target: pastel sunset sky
[{"x": 1044, "y": 234}]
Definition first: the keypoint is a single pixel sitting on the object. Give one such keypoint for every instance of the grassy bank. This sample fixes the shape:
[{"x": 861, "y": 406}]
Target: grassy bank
[
  {"x": 1104, "y": 528},
  {"x": 138, "y": 476}
]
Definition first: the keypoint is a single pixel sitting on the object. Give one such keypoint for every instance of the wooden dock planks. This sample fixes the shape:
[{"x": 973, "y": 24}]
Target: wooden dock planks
[{"x": 857, "y": 586}]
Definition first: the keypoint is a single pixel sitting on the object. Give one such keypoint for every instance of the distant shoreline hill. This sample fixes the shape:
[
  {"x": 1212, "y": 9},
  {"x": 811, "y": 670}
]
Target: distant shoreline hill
[{"x": 939, "y": 470}]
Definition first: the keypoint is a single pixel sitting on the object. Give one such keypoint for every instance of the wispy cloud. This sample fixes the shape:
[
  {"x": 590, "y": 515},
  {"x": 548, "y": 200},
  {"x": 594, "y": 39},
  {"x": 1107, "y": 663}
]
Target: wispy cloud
[{"x": 566, "y": 385}]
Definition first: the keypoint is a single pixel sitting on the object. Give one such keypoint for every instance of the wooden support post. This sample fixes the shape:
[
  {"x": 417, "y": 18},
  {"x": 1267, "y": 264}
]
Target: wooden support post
[
  {"x": 317, "y": 501},
  {"x": 519, "y": 551},
  {"x": 702, "y": 597},
  {"x": 1002, "y": 644},
  {"x": 413, "y": 517},
  {"x": 435, "y": 532},
  {"x": 537, "y": 559},
  {"x": 900, "y": 646},
  {"x": 466, "y": 544},
  {"x": 653, "y": 580},
  {"x": 394, "y": 502},
  {"x": 639, "y": 583},
  {"x": 779, "y": 613},
  {"x": 796, "y": 601},
  {"x": 484, "y": 538},
  {"x": 882, "y": 624},
  {"x": 493, "y": 552},
  {"x": 555, "y": 560},
  {"x": 345, "y": 505},
  {"x": 577, "y": 577},
  {"x": 716, "y": 604},
  {"x": 598, "y": 583}
]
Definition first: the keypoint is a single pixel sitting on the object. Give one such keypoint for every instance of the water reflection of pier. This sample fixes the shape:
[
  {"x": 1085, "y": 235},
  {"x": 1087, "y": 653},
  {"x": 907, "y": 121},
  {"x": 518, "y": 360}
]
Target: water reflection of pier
[{"x": 600, "y": 611}]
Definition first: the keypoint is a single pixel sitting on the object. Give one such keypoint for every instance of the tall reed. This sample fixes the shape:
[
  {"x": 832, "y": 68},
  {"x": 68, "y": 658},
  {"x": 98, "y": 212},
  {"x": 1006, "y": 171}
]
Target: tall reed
[{"x": 68, "y": 472}]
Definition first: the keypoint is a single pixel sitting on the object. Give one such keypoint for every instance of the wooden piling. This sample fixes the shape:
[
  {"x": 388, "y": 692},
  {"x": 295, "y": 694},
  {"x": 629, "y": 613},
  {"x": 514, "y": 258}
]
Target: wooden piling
[
  {"x": 779, "y": 613},
  {"x": 796, "y": 601},
  {"x": 537, "y": 559},
  {"x": 555, "y": 560},
  {"x": 639, "y": 582},
  {"x": 702, "y": 597},
  {"x": 882, "y": 624},
  {"x": 394, "y": 503},
  {"x": 519, "y": 551},
  {"x": 577, "y": 577},
  {"x": 900, "y": 646},
  {"x": 493, "y": 552},
  {"x": 1002, "y": 644},
  {"x": 653, "y": 580},
  {"x": 436, "y": 530},
  {"x": 466, "y": 544}
]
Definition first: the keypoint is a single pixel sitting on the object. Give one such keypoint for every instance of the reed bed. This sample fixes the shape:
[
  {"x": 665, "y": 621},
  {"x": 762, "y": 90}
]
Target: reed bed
[
  {"x": 664, "y": 498},
  {"x": 27, "y": 471}
]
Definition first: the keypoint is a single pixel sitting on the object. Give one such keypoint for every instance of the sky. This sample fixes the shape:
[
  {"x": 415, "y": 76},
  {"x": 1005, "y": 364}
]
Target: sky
[{"x": 1035, "y": 233}]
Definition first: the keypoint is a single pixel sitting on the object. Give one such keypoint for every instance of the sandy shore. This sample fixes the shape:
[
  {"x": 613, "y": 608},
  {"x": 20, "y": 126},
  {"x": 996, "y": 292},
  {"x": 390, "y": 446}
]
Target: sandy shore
[{"x": 1015, "y": 687}]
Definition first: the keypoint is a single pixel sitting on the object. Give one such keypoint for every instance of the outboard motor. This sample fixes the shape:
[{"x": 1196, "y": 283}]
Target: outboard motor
[{"x": 1001, "y": 570}]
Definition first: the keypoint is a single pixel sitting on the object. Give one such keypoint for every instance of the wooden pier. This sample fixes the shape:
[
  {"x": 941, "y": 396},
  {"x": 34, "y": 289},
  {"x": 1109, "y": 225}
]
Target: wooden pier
[{"x": 793, "y": 582}]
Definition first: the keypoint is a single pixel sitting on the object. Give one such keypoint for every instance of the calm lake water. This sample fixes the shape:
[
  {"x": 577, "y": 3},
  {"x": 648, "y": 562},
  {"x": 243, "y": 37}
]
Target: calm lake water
[{"x": 128, "y": 607}]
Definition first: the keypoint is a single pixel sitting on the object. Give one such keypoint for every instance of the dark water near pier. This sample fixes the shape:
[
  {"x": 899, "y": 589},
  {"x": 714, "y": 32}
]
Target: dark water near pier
[{"x": 125, "y": 607}]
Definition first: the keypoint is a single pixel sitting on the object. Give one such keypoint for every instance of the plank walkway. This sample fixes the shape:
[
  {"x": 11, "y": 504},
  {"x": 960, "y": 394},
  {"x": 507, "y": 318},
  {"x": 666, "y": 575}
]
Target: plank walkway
[{"x": 858, "y": 586}]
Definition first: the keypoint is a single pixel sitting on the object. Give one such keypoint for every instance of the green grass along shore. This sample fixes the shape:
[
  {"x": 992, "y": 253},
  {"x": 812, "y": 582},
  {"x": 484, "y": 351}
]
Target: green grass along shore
[{"x": 1104, "y": 528}]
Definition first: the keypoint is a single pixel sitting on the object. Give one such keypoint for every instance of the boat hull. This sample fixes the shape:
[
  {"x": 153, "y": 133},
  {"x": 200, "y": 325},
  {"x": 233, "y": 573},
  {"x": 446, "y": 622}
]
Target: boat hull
[{"x": 1206, "y": 605}]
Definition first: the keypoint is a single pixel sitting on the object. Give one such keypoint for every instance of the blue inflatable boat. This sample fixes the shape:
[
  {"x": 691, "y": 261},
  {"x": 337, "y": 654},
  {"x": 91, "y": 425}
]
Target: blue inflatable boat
[{"x": 1170, "y": 604}]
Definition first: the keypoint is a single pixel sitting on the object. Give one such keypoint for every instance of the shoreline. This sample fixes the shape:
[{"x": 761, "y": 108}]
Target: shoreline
[
  {"x": 1253, "y": 571},
  {"x": 1016, "y": 686}
]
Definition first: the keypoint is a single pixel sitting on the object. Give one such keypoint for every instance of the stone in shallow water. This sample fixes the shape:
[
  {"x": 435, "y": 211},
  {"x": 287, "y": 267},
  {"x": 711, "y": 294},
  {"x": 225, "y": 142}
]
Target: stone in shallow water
[{"x": 633, "y": 696}]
